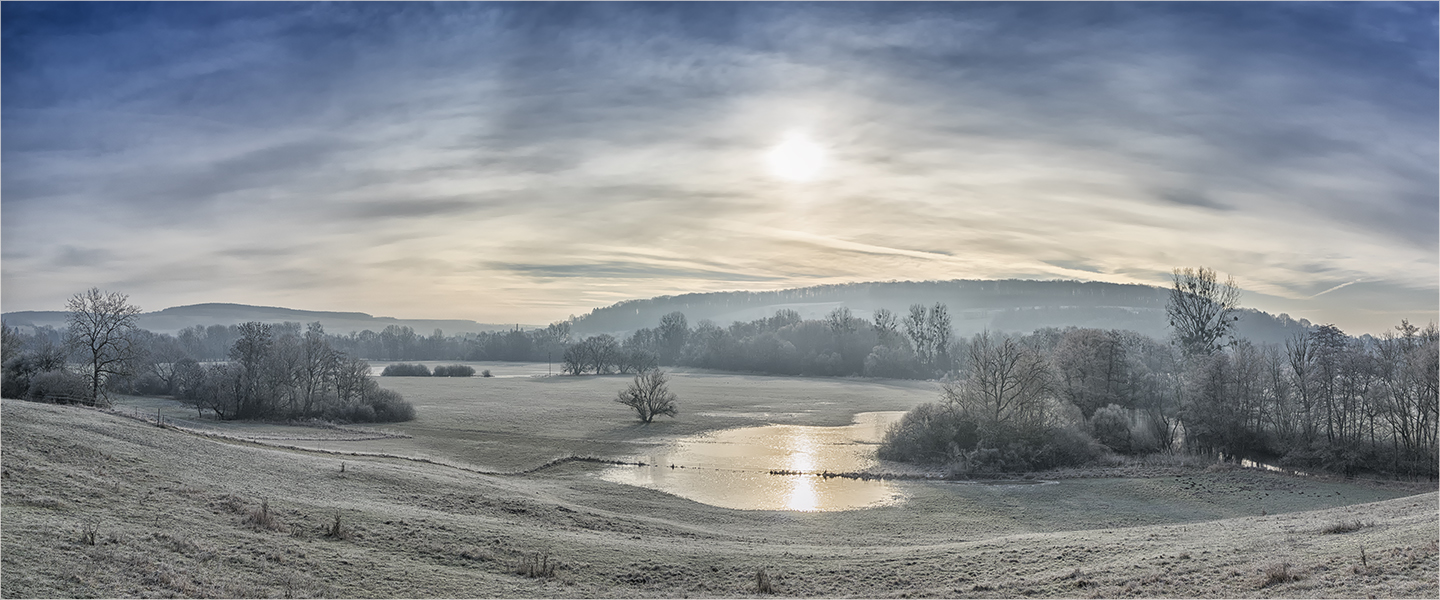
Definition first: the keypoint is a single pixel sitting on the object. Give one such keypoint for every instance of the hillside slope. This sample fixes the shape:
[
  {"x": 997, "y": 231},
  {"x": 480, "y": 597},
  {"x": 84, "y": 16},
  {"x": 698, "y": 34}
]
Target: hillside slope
[
  {"x": 176, "y": 514},
  {"x": 974, "y": 305},
  {"x": 173, "y": 319}
]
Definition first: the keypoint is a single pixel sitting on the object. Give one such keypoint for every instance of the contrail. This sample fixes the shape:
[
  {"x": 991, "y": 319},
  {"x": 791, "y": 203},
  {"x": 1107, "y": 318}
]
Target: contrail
[{"x": 1335, "y": 288}]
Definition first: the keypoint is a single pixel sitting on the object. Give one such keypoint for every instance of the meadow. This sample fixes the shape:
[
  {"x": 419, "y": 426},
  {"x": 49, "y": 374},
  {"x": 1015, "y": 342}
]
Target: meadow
[{"x": 97, "y": 504}]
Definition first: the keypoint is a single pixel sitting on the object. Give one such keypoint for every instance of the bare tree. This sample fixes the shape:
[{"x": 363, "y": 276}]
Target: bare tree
[
  {"x": 885, "y": 325},
  {"x": 649, "y": 395},
  {"x": 938, "y": 323},
  {"x": 102, "y": 327},
  {"x": 674, "y": 331},
  {"x": 317, "y": 365},
  {"x": 10, "y": 343},
  {"x": 919, "y": 332},
  {"x": 1008, "y": 386},
  {"x": 250, "y": 352},
  {"x": 1202, "y": 310}
]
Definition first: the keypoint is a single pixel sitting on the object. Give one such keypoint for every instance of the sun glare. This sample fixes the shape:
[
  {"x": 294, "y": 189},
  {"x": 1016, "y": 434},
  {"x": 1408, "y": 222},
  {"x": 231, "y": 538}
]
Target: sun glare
[{"x": 796, "y": 159}]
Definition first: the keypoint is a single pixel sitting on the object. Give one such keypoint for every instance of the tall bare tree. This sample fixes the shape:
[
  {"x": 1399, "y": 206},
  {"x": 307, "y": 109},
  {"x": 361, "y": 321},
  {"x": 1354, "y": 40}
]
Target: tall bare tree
[
  {"x": 885, "y": 325},
  {"x": 1202, "y": 310},
  {"x": 919, "y": 332},
  {"x": 102, "y": 328}
]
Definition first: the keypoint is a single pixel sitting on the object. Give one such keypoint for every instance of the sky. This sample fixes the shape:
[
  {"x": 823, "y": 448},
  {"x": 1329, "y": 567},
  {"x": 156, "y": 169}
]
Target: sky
[{"x": 525, "y": 162}]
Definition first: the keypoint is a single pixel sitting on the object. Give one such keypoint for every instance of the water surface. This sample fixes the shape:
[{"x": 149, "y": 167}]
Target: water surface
[{"x": 732, "y": 468}]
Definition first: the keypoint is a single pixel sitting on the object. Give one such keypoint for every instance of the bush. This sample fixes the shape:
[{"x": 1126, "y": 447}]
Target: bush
[
  {"x": 453, "y": 371},
  {"x": 406, "y": 370},
  {"x": 1111, "y": 426},
  {"x": 388, "y": 407},
  {"x": 935, "y": 434},
  {"x": 894, "y": 363},
  {"x": 58, "y": 386},
  {"x": 929, "y": 434},
  {"x": 19, "y": 370}
]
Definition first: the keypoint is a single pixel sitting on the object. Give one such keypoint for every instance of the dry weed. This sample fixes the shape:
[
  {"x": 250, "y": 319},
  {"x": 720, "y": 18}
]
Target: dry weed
[
  {"x": 1346, "y": 526},
  {"x": 262, "y": 518},
  {"x": 88, "y": 533},
  {"x": 1277, "y": 574},
  {"x": 337, "y": 530},
  {"x": 763, "y": 584},
  {"x": 537, "y": 566}
]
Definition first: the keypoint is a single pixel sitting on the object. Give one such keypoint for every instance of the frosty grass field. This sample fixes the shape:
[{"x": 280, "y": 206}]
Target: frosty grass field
[{"x": 98, "y": 504}]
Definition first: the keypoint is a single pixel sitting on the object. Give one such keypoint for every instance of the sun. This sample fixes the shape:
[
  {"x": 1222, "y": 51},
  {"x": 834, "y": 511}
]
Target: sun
[{"x": 796, "y": 159}]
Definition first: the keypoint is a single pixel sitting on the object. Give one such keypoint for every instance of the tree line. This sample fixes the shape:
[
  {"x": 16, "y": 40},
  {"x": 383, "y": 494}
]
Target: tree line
[
  {"x": 269, "y": 371},
  {"x": 918, "y": 345},
  {"x": 1323, "y": 400}
]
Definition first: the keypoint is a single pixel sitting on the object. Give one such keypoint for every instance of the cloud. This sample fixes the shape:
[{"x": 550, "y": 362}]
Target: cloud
[
  {"x": 1328, "y": 290},
  {"x": 535, "y": 157},
  {"x": 71, "y": 256}
]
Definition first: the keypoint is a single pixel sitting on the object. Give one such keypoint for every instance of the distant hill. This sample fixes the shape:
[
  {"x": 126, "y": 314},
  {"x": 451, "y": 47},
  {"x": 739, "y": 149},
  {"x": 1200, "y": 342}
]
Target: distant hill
[
  {"x": 1011, "y": 305},
  {"x": 172, "y": 320}
]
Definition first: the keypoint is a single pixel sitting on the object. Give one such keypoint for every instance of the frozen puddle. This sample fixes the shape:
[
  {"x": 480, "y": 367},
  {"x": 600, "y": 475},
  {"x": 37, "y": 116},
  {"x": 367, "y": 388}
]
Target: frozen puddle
[{"x": 731, "y": 468}]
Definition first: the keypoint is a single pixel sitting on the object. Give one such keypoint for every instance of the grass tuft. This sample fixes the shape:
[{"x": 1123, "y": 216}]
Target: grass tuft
[
  {"x": 1346, "y": 526},
  {"x": 337, "y": 530},
  {"x": 537, "y": 566},
  {"x": 763, "y": 583},
  {"x": 88, "y": 533},
  {"x": 1277, "y": 574},
  {"x": 262, "y": 519}
]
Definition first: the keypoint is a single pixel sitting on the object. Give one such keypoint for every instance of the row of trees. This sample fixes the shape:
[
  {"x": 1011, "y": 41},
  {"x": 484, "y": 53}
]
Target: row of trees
[
  {"x": 917, "y": 346},
  {"x": 1323, "y": 400},
  {"x": 271, "y": 372},
  {"x": 395, "y": 343},
  {"x": 280, "y": 372}
]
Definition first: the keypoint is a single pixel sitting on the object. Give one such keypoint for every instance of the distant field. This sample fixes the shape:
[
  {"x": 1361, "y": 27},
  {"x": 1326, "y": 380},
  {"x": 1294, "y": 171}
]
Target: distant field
[
  {"x": 515, "y": 423},
  {"x": 171, "y": 511}
]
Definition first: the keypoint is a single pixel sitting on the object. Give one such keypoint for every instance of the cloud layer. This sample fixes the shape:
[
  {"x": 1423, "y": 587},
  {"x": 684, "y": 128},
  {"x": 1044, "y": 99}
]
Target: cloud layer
[{"x": 522, "y": 162}]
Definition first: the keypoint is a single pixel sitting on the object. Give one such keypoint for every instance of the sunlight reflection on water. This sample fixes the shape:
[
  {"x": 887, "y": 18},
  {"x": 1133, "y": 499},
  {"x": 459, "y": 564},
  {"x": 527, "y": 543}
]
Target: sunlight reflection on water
[{"x": 731, "y": 468}]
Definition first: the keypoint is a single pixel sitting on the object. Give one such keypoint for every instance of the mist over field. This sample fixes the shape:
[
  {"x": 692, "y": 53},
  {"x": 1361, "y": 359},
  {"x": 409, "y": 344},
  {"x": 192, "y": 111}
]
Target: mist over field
[{"x": 496, "y": 299}]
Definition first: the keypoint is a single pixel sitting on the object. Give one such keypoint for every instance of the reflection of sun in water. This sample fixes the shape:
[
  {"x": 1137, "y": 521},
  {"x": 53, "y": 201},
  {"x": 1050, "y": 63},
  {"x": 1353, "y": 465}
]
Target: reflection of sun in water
[
  {"x": 796, "y": 159},
  {"x": 802, "y": 459}
]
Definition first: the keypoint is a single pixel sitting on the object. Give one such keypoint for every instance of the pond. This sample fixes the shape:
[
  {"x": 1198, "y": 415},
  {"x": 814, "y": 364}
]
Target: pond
[{"x": 733, "y": 468}]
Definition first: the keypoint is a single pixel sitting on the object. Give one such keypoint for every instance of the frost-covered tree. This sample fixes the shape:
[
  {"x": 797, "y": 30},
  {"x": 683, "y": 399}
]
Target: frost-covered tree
[
  {"x": 102, "y": 329},
  {"x": 649, "y": 395}
]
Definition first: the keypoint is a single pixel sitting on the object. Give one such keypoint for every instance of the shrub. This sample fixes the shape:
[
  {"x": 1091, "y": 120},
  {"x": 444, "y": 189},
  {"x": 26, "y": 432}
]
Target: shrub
[
  {"x": 453, "y": 371},
  {"x": 937, "y": 434},
  {"x": 19, "y": 370},
  {"x": 894, "y": 363},
  {"x": 1111, "y": 426},
  {"x": 405, "y": 370},
  {"x": 388, "y": 406},
  {"x": 486, "y": 373},
  {"x": 58, "y": 386},
  {"x": 929, "y": 434}
]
